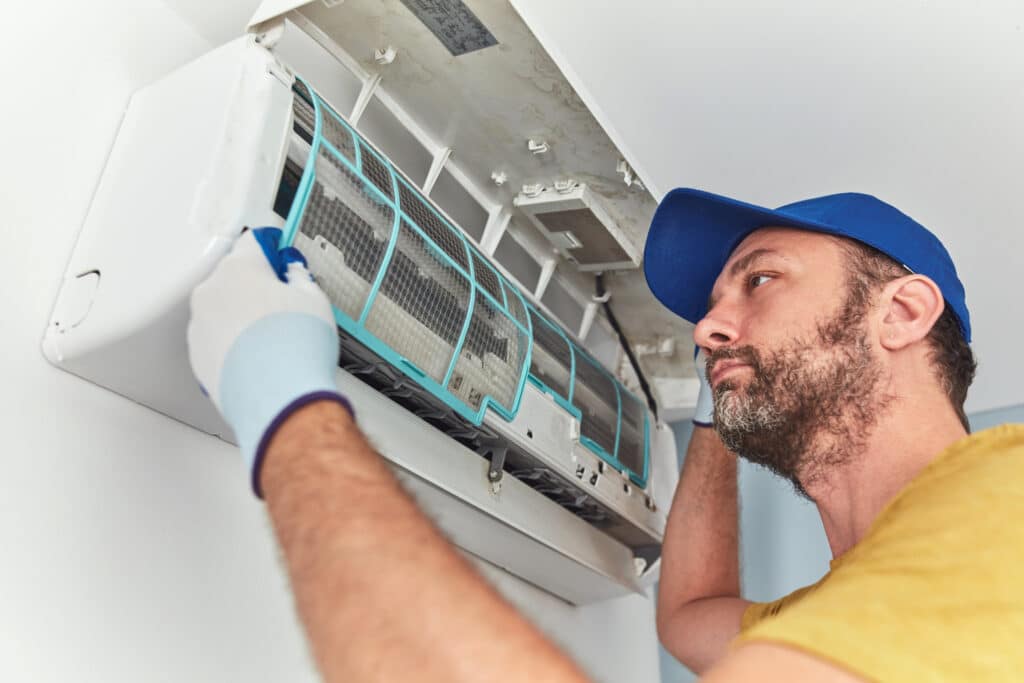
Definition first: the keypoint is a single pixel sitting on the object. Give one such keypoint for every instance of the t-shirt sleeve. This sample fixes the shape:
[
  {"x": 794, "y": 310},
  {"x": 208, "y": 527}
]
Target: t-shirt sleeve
[{"x": 757, "y": 612}]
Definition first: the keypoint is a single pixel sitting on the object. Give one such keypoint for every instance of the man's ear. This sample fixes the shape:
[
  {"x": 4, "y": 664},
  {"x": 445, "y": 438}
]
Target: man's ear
[{"x": 910, "y": 305}]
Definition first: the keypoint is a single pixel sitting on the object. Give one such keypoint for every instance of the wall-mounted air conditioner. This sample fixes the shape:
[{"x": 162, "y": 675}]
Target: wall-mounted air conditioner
[{"x": 517, "y": 440}]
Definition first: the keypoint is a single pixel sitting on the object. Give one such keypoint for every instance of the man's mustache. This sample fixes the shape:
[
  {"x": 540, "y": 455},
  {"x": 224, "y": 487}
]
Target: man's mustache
[{"x": 745, "y": 354}]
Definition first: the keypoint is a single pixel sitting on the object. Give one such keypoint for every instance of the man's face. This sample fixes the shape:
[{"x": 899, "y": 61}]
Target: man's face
[{"x": 795, "y": 381}]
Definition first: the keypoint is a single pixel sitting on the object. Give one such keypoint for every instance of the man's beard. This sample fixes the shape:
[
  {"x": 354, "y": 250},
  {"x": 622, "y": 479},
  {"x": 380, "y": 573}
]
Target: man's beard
[{"x": 810, "y": 405}]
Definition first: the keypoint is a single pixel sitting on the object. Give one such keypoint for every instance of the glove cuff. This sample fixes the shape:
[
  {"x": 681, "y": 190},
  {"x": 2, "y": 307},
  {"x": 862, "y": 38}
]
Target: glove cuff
[{"x": 279, "y": 419}]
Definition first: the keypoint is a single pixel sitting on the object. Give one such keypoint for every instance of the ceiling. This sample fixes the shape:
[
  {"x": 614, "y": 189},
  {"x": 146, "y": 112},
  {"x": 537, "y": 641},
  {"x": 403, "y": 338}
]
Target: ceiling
[{"x": 918, "y": 102}]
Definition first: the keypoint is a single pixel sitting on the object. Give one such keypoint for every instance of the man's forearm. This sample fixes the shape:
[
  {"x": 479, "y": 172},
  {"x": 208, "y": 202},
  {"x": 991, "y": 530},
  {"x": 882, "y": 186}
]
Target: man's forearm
[
  {"x": 699, "y": 608},
  {"x": 382, "y": 594}
]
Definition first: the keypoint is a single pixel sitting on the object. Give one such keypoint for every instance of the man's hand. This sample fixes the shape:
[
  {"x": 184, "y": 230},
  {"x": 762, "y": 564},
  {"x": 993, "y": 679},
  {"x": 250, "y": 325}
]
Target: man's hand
[
  {"x": 262, "y": 340},
  {"x": 699, "y": 604}
]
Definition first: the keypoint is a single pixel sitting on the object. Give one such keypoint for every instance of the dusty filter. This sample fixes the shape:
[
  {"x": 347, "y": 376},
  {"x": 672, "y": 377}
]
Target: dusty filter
[{"x": 410, "y": 290}]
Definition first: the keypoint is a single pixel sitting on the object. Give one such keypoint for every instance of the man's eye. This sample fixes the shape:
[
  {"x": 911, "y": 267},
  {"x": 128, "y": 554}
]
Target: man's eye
[{"x": 757, "y": 280}]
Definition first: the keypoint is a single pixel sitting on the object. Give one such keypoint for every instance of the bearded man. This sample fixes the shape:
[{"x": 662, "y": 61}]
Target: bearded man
[
  {"x": 836, "y": 340},
  {"x": 834, "y": 335}
]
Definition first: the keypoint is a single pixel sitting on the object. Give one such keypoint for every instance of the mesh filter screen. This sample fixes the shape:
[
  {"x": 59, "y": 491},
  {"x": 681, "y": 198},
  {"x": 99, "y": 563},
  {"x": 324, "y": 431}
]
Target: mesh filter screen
[
  {"x": 338, "y": 135},
  {"x": 491, "y": 359},
  {"x": 595, "y": 396},
  {"x": 432, "y": 225},
  {"x": 305, "y": 117},
  {"x": 376, "y": 171},
  {"x": 486, "y": 276},
  {"x": 631, "y": 436},
  {"x": 551, "y": 361},
  {"x": 399, "y": 261},
  {"x": 514, "y": 305},
  {"x": 344, "y": 233},
  {"x": 333, "y": 130},
  {"x": 421, "y": 306}
]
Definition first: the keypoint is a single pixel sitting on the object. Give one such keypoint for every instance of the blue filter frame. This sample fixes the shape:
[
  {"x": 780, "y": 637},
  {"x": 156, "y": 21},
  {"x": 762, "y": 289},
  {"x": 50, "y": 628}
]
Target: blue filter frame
[{"x": 491, "y": 297}]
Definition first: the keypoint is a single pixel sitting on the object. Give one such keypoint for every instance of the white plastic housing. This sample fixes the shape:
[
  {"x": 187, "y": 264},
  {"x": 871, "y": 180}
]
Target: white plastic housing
[{"x": 198, "y": 156}]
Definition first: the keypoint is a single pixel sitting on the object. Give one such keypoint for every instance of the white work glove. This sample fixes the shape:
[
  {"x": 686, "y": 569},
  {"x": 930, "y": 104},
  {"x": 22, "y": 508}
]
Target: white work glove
[
  {"x": 704, "y": 415},
  {"x": 262, "y": 340}
]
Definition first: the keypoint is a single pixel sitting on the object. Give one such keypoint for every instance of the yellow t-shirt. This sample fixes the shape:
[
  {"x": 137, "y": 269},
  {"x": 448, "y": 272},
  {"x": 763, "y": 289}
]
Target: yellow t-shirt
[{"x": 935, "y": 589}]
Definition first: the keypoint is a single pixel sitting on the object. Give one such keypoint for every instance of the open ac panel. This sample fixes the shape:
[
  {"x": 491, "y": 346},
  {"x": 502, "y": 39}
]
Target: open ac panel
[{"x": 486, "y": 378}]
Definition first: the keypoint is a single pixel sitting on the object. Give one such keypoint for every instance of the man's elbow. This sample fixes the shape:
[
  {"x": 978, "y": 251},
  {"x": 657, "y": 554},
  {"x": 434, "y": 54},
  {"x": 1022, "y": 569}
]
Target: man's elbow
[
  {"x": 666, "y": 614},
  {"x": 698, "y": 632},
  {"x": 673, "y": 633}
]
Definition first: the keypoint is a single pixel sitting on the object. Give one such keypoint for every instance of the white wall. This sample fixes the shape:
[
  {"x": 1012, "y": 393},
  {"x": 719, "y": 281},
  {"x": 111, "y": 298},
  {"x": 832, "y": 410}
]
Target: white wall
[{"x": 133, "y": 550}]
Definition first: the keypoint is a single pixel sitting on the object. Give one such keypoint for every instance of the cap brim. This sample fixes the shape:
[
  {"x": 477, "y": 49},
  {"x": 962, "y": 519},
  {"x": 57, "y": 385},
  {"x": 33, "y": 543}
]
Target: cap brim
[{"x": 691, "y": 237}]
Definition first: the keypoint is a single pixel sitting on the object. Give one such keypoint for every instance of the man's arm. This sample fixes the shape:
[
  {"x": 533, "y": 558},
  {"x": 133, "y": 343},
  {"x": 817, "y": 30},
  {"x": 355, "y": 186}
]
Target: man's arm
[
  {"x": 382, "y": 594},
  {"x": 699, "y": 604},
  {"x": 769, "y": 662}
]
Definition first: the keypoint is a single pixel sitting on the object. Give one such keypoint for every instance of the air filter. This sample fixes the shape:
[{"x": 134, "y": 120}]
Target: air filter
[{"x": 409, "y": 288}]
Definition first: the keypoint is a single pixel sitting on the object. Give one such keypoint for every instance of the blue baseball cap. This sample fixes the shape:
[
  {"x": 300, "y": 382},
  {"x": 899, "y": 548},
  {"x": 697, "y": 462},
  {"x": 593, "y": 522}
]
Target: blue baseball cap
[{"x": 693, "y": 233}]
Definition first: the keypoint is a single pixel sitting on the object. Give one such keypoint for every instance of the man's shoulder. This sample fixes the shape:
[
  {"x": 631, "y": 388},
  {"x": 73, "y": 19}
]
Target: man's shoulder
[
  {"x": 1003, "y": 444},
  {"x": 983, "y": 469}
]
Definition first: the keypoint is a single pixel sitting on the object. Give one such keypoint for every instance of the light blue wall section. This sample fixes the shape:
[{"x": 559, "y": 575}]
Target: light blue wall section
[
  {"x": 991, "y": 418},
  {"x": 782, "y": 542}
]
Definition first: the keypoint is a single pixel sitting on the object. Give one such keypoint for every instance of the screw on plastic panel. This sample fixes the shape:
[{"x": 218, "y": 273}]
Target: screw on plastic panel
[
  {"x": 537, "y": 146},
  {"x": 270, "y": 35},
  {"x": 664, "y": 347},
  {"x": 499, "y": 177},
  {"x": 626, "y": 170},
  {"x": 629, "y": 176},
  {"x": 384, "y": 55},
  {"x": 532, "y": 189},
  {"x": 566, "y": 186},
  {"x": 496, "y": 468}
]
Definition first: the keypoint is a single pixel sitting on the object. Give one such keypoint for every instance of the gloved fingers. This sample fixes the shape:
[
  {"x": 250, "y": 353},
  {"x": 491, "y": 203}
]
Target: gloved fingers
[
  {"x": 290, "y": 255},
  {"x": 280, "y": 260},
  {"x": 269, "y": 239},
  {"x": 300, "y": 278},
  {"x": 298, "y": 274}
]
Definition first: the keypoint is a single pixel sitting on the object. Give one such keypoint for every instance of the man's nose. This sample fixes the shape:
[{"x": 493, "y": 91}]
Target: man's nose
[{"x": 716, "y": 329}]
